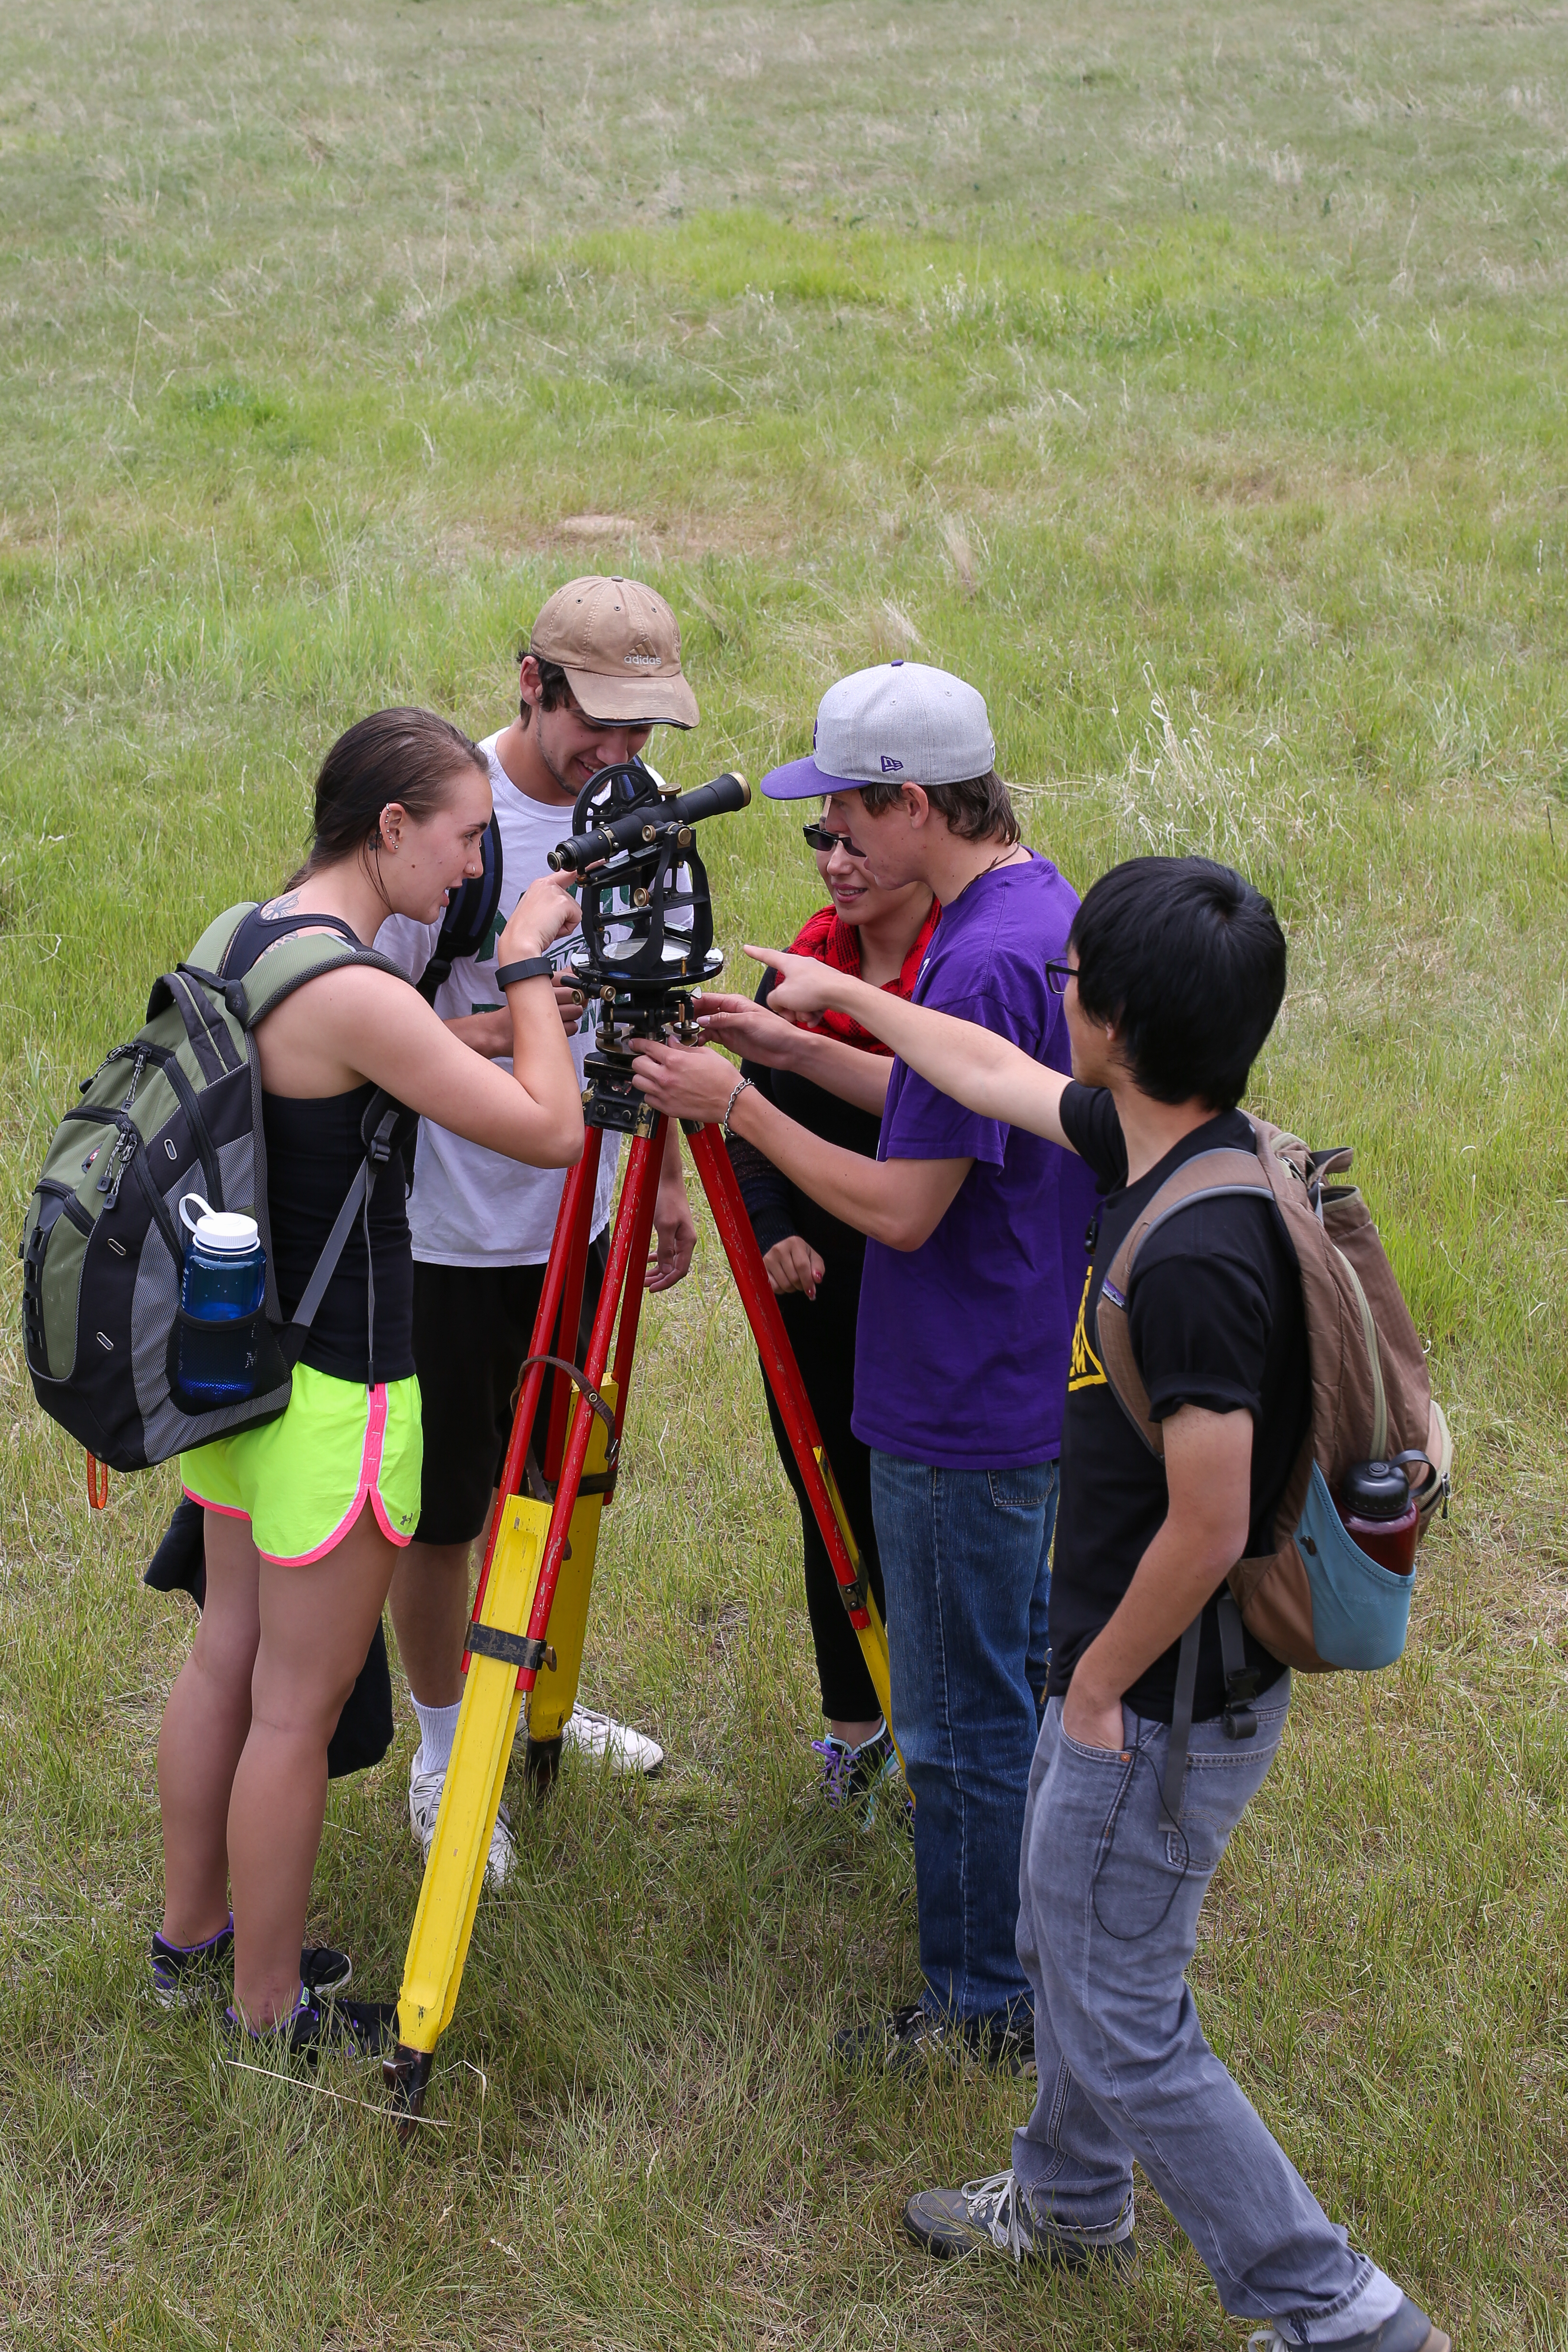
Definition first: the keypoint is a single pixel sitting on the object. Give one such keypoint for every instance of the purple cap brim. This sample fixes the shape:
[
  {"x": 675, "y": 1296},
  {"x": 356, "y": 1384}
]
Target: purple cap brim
[{"x": 802, "y": 780}]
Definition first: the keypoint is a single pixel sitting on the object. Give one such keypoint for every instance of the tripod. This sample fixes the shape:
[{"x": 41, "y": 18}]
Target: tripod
[{"x": 530, "y": 1612}]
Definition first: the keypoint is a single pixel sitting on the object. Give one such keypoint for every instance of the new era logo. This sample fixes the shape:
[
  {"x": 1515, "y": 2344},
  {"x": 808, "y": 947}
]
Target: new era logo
[{"x": 891, "y": 767}]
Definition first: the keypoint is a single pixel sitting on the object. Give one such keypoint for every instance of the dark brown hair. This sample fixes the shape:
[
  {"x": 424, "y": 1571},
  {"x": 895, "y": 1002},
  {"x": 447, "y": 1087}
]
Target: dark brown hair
[
  {"x": 553, "y": 687},
  {"x": 979, "y": 810},
  {"x": 407, "y": 756}
]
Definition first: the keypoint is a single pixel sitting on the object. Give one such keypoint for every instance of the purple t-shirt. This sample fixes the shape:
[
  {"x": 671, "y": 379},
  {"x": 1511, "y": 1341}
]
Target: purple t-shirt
[{"x": 962, "y": 1345}]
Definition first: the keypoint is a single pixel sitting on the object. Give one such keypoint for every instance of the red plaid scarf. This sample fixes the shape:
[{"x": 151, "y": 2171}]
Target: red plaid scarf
[{"x": 833, "y": 942}]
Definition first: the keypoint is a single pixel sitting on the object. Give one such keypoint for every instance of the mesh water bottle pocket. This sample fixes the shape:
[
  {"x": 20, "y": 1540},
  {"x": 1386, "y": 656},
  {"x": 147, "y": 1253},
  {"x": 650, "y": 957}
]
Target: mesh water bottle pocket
[
  {"x": 249, "y": 1365},
  {"x": 1361, "y": 1610}
]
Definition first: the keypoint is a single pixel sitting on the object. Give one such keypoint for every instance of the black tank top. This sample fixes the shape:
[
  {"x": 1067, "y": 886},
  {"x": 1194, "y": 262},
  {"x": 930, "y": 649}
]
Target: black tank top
[{"x": 314, "y": 1149}]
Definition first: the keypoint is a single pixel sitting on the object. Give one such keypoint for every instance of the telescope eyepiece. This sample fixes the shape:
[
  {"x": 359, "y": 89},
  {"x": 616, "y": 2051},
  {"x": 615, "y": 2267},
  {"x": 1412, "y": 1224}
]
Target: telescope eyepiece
[{"x": 641, "y": 827}]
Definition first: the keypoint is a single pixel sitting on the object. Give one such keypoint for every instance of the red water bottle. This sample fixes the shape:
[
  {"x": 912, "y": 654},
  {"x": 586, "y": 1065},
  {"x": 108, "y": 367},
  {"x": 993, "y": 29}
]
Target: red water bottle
[{"x": 1378, "y": 1509}]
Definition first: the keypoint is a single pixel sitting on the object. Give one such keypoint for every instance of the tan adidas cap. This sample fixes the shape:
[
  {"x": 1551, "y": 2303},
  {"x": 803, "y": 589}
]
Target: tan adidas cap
[{"x": 620, "y": 646}]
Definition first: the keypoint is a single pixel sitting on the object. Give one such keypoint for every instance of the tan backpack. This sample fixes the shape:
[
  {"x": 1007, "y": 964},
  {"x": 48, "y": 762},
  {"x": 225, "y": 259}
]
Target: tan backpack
[{"x": 1316, "y": 1602}]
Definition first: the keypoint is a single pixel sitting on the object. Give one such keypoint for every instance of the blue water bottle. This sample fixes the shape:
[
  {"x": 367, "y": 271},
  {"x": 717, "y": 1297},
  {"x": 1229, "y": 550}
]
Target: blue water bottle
[{"x": 221, "y": 1293}]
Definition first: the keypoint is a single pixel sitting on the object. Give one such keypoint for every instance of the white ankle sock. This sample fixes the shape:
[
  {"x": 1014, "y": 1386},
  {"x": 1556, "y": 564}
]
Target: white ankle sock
[{"x": 437, "y": 1725}]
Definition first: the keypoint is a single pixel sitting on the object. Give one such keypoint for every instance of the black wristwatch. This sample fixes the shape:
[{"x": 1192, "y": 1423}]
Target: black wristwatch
[{"x": 531, "y": 968}]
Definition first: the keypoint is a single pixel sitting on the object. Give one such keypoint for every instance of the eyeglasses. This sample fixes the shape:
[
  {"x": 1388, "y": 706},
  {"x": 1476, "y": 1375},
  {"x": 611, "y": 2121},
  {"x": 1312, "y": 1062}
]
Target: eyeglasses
[
  {"x": 1057, "y": 976},
  {"x": 820, "y": 838}
]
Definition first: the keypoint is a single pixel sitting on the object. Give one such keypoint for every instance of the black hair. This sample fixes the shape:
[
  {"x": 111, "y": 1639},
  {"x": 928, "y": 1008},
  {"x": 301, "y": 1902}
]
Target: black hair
[
  {"x": 979, "y": 810},
  {"x": 407, "y": 756},
  {"x": 554, "y": 688},
  {"x": 1188, "y": 960}
]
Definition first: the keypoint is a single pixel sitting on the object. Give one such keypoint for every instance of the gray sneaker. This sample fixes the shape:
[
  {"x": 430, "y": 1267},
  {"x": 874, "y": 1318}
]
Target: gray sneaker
[
  {"x": 995, "y": 2214},
  {"x": 1409, "y": 2329}
]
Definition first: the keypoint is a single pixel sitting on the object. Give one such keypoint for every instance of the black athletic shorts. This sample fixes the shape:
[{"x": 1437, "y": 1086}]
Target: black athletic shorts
[{"x": 472, "y": 1327}]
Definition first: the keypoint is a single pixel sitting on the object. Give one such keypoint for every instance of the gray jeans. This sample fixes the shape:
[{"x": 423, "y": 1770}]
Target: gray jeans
[{"x": 1108, "y": 1898}]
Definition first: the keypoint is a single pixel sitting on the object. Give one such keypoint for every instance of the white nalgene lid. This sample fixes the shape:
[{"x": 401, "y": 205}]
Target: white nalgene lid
[{"x": 219, "y": 1229}]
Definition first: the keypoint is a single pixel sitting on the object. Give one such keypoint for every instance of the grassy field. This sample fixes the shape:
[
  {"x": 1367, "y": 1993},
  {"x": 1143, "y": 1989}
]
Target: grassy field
[{"x": 1193, "y": 380}]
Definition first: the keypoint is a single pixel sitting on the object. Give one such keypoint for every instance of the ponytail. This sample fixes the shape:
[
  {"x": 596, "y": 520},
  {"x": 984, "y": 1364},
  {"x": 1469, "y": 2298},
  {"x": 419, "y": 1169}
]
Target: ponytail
[{"x": 402, "y": 755}]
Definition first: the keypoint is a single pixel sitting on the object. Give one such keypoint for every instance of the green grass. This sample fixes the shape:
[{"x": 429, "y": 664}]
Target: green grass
[{"x": 1192, "y": 380}]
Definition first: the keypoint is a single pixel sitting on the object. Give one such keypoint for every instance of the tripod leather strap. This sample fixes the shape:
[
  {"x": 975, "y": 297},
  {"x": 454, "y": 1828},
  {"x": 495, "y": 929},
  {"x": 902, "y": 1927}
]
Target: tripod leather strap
[
  {"x": 512, "y": 1649},
  {"x": 593, "y": 1398}
]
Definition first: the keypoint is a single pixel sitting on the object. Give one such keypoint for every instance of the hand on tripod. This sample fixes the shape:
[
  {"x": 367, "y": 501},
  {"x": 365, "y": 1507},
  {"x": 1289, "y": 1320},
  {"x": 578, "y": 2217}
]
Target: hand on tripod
[{"x": 684, "y": 1081}]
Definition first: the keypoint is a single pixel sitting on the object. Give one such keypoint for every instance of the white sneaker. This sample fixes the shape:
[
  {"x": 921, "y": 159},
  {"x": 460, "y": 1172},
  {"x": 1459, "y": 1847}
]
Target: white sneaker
[
  {"x": 424, "y": 1805},
  {"x": 600, "y": 1735}
]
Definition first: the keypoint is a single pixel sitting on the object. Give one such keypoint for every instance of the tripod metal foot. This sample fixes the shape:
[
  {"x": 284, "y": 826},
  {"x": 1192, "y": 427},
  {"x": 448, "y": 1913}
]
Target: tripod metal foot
[
  {"x": 406, "y": 2073},
  {"x": 542, "y": 1767}
]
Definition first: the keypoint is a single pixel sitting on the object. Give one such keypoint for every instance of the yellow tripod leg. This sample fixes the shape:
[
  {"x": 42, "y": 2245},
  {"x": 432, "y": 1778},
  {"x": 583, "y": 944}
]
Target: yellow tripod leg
[
  {"x": 481, "y": 1749},
  {"x": 555, "y": 1687},
  {"x": 873, "y": 1637},
  {"x": 449, "y": 1893}
]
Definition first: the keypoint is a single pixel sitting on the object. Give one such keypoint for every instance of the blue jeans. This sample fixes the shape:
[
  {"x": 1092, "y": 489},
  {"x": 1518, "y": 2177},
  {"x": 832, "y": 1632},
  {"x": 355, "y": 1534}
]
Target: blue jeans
[
  {"x": 965, "y": 1558},
  {"x": 1108, "y": 1898}
]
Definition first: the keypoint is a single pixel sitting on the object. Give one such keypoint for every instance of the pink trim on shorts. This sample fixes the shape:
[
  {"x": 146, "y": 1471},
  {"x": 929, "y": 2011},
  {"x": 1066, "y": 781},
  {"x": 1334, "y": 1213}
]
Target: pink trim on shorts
[
  {"x": 224, "y": 1510},
  {"x": 369, "y": 1486}
]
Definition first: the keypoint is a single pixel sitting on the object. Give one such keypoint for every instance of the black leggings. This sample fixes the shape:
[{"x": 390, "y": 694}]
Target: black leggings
[{"x": 822, "y": 1334}]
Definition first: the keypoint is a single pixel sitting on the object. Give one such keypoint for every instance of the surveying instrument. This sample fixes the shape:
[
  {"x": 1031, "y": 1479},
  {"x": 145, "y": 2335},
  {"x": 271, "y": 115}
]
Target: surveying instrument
[{"x": 646, "y": 942}]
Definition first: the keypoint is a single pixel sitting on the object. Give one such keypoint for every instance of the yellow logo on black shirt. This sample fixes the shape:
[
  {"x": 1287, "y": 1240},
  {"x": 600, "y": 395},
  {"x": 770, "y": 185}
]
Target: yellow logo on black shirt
[{"x": 1084, "y": 1370}]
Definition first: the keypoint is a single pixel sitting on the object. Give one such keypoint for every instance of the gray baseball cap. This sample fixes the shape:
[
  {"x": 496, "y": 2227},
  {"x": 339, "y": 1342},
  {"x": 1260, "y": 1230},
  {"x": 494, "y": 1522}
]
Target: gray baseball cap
[{"x": 901, "y": 723}]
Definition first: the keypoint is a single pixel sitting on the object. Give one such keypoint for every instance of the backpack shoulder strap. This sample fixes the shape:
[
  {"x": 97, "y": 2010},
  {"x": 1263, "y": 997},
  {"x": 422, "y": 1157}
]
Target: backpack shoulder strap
[
  {"x": 293, "y": 962},
  {"x": 1207, "y": 1176},
  {"x": 467, "y": 925},
  {"x": 300, "y": 948},
  {"x": 205, "y": 962},
  {"x": 218, "y": 938}
]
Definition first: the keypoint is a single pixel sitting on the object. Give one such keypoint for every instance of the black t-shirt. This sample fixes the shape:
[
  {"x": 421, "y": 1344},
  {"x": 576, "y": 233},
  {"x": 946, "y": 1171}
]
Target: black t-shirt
[{"x": 1215, "y": 1319}]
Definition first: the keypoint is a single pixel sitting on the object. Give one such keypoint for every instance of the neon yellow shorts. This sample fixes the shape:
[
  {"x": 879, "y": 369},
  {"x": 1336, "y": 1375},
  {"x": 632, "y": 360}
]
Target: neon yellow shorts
[{"x": 301, "y": 1480}]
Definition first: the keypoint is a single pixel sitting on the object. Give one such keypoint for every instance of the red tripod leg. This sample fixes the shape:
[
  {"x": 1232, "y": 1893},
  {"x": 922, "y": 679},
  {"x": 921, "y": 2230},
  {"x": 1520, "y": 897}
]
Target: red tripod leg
[
  {"x": 632, "y": 1301},
  {"x": 573, "y": 1216},
  {"x": 570, "y": 1315},
  {"x": 788, "y": 1393},
  {"x": 633, "y": 1223}
]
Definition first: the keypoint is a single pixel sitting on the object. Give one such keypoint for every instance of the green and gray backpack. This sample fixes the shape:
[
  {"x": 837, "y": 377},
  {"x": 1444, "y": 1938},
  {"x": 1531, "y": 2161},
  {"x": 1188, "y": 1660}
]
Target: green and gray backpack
[{"x": 102, "y": 1249}]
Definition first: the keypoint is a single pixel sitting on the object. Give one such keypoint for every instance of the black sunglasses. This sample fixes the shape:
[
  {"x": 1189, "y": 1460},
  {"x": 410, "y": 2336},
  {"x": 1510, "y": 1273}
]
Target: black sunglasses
[
  {"x": 1057, "y": 976},
  {"x": 819, "y": 837}
]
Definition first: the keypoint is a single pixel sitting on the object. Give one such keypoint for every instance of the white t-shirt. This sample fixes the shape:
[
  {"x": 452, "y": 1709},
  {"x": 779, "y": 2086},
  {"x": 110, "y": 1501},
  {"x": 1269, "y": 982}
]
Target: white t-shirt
[{"x": 470, "y": 1207}]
